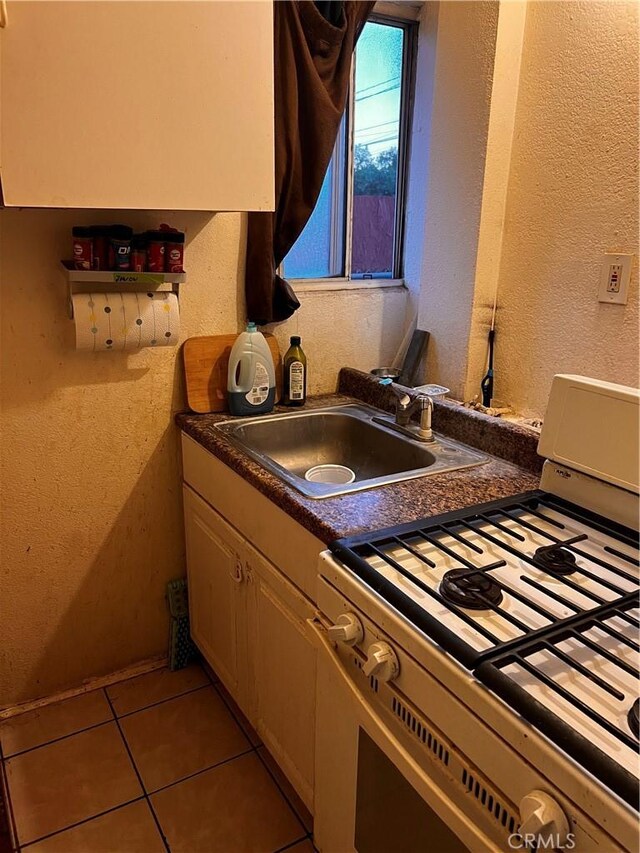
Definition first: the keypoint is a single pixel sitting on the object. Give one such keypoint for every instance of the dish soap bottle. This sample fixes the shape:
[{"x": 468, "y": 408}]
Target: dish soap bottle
[
  {"x": 295, "y": 374},
  {"x": 251, "y": 378}
]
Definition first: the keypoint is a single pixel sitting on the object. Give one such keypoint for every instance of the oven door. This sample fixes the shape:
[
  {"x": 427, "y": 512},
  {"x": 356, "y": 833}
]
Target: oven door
[{"x": 371, "y": 795}]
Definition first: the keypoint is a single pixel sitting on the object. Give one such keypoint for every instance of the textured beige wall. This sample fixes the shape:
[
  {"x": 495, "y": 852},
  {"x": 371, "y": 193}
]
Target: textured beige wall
[
  {"x": 361, "y": 328},
  {"x": 573, "y": 194},
  {"x": 504, "y": 98},
  {"x": 90, "y": 477},
  {"x": 415, "y": 254},
  {"x": 463, "y": 72}
]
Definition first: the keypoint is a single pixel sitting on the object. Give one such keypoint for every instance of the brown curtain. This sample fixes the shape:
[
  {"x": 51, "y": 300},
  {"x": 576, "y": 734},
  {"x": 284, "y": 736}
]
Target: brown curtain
[{"x": 312, "y": 65}]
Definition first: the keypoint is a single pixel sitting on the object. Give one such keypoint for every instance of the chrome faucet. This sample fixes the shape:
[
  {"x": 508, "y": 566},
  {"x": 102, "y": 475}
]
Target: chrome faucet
[{"x": 409, "y": 401}]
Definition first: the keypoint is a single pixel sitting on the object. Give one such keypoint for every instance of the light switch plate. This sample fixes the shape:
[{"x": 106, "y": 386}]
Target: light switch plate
[{"x": 614, "y": 278}]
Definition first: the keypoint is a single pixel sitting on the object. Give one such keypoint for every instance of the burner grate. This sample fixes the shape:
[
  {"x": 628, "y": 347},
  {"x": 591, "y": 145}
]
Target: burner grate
[
  {"x": 611, "y": 756},
  {"x": 517, "y": 612},
  {"x": 560, "y": 648}
]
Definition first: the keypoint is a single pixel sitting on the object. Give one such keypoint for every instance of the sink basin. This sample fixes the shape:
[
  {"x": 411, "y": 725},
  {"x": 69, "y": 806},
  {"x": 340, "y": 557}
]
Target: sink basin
[{"x": 289, "y": 445}]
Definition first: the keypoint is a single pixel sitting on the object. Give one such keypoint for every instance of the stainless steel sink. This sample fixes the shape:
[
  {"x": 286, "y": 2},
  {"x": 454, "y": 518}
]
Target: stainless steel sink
[{"x": 289, "y": 445}]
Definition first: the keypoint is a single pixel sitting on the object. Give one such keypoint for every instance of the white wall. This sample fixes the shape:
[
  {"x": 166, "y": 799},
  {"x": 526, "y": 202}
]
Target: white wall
[
  {"x": 456, "y": 135},
  {"x": 531, "y": 129},
  {"x": 419, "y": 159},
  {"x": 90, "y": 469},
  {"x": 359, "y": 328},
  {"x": 524, "y": 171},
  {"x": 504, "y": 98},
  {"x": 573, "y": 194}
]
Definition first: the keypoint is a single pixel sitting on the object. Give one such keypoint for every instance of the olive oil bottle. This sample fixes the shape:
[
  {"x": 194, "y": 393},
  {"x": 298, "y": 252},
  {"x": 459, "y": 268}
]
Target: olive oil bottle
[{"x": 295, "y": 374}]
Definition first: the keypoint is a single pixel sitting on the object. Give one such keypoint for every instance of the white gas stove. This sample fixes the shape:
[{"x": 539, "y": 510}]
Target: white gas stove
[{"x": 488, "y": 658}]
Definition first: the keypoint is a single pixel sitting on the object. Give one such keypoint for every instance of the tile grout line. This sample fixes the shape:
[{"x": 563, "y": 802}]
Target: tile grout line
[
  {"x": 4, "y": 783},
  {"x": 253, "y": 748},
  {"x": 205, "y": 668},
  {"x": 135, "y": 769},
  {"x": 200, "y": 772},
  {"x": 83, "y": 821},
  {"x": 235, "y": 718},
  {"x": 145, "y": 795},
  {"x": 230, "y": 709},
  {"x": 256, "y": 749},
  {"x": 282, "y": 792},
  {"x": 31, "y": 749},
  {"x": 160, "y": 702},
  {"x": 58, "y": 739},
  {"x": 292, "y": 844},
  {"x": 113, "y": 717}
]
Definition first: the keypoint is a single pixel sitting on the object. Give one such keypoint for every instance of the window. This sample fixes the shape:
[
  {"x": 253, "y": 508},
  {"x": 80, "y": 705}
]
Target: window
[{"x": 356, "y": 228}]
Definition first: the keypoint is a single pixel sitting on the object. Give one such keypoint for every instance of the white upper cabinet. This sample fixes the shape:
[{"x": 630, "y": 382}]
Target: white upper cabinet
[{"x": 149, "y": 105}]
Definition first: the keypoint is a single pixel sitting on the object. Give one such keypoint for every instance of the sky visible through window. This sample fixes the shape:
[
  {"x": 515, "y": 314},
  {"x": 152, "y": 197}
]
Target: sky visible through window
[
  {"x": 378, "y": 78},
  {"x": 377, "y": 98}
]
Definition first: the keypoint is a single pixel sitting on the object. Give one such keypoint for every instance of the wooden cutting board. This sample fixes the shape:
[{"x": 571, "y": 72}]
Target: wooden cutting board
[{"x": 206, "y": 360}]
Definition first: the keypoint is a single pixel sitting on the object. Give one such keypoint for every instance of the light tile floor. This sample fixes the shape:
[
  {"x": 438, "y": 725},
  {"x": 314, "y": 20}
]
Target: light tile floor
[{"x": 161, "y": 762}]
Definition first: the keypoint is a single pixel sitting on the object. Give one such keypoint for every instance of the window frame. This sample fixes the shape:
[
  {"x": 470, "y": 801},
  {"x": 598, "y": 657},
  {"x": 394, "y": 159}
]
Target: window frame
[{"x": 342, "y": 160}]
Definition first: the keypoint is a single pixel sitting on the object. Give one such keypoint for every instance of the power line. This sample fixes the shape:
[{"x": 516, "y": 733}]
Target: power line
[
  {"x": 375, "y": 94},
  {"x": 378, "y": 141},
  {"x": 375, "y": 85},
  {"x": 374, "y": 139},
  {"x": 375, "y": 133},
  {"x": 372, "y": 126},
  {"x": 385, "y": 131}
]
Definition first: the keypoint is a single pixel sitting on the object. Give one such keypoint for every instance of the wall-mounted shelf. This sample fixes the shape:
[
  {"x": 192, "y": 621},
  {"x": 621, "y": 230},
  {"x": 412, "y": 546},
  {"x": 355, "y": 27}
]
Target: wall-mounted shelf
[
  {"x": 105, "y": 281},
  {"x": 121, "y": 276}
]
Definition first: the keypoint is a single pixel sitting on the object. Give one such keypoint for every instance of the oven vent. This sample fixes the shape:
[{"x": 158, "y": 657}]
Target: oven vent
[
  {"x": 488, "y": 801},
  {"x": 420, "y": 730}
]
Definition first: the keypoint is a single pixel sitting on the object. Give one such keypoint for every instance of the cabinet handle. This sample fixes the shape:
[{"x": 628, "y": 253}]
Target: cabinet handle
[
  {"x": 4, "y": 17},
  {"x": 238, "y": 575}
]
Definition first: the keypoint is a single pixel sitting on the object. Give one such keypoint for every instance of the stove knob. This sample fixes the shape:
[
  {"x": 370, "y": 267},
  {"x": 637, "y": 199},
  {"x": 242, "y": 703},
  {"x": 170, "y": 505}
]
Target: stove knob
[
  {"x": 348, "y": 630},
  {"x": 544, "y": 824},
  {"x": 382, "y": 662}
]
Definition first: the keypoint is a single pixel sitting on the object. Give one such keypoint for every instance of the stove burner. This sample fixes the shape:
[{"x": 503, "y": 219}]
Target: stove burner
[
  {"x": 471, "y": 590},
  {"x": 555, "y": 560},
  {"x": 633, "y": 718}
]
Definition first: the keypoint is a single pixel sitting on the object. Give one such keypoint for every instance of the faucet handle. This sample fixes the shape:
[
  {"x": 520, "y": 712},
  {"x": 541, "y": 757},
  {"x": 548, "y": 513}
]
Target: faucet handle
[{"x": 404, "y": 398}]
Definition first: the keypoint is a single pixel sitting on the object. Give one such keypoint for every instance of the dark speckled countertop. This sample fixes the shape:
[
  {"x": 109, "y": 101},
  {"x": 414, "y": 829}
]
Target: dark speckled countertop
[{"x": 513, "y": 468}]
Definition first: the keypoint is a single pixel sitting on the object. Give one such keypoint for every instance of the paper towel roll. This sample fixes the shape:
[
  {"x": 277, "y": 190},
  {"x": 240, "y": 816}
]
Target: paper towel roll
[{"x": 125, "y": 321}]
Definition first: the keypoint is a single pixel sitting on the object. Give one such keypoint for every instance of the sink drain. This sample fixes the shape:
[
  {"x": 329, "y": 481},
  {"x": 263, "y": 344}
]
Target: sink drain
[{"x": 338, "y": 475}]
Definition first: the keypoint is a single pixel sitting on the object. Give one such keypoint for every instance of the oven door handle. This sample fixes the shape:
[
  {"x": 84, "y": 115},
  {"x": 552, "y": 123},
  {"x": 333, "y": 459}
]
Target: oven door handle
[{"x": 471, "y": 835}]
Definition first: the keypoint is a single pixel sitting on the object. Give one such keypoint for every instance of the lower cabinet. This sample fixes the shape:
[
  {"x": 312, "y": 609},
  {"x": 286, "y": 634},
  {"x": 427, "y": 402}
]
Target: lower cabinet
[
  {"x": 249, "y": 622},
  {"x": 217, "y": 594},
  {"x": 282, "y": 660}
]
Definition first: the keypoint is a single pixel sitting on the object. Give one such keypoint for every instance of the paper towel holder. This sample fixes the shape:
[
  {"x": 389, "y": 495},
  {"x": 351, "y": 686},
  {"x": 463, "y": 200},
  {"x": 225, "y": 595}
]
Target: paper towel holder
[{"x": 125, "y": 281}]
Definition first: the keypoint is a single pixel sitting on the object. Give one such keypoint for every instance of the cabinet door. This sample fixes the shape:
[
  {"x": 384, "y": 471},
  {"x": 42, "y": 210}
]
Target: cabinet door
[
  {"x": 216, "y": 599},
  {"x": 283, "y": 661},
  {"x": 160, "y": 106}
]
